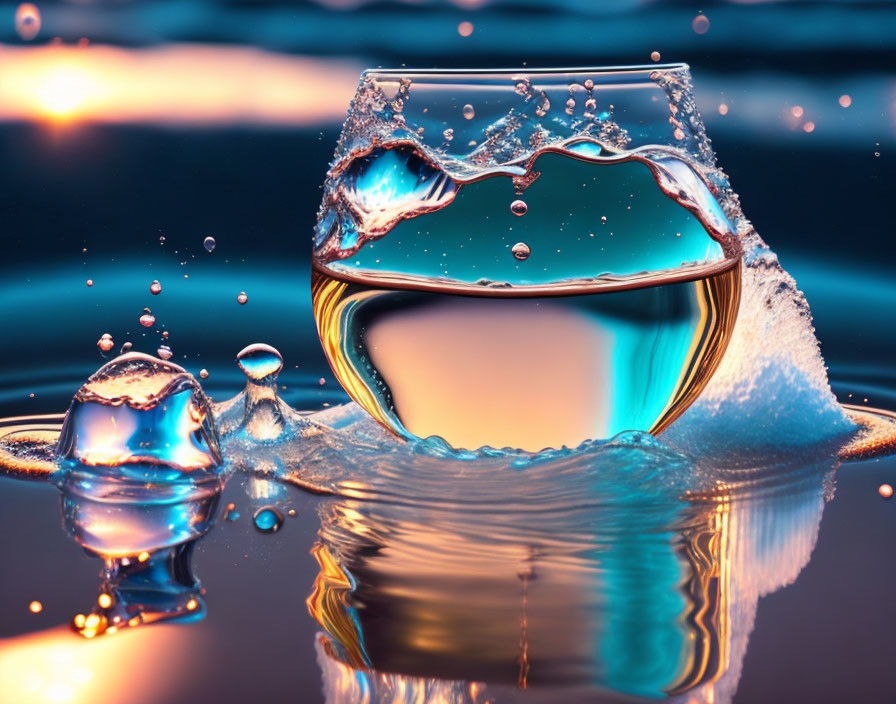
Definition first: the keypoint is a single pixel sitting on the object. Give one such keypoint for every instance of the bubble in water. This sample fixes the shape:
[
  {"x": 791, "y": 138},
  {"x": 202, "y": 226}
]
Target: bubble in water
[
  {"x": 469, "y": 112},
  {"x": 603, "y": 219},
  {"x": 164, "y": 352},
  {"x": 885, "y": 490},
  {"x": 242, "y": 298},
  {"x": 89, "y": 283},
  {"x": 448, "y": 134},
  {"x": 267, "y": 519},
  {"x": 519, "y": 207},
  {"x": 27, "y": 21},
  {"x": 147, "y": 320},
  {"x": 209, "y": 244},
  {"x": 203, "y": 373},
  {"x": 521, "y": 251},
  {"x": 589, "y": 84},
  {"x": 105, "y": 342},
  {"x": 845, "y": 101},
  {"x": 155, "y": 288},
  {"x": 655, "y": 55},
  {"x": 321, "y": 381},
  {"x": 700, "y": 24},
  {"x": 261, "y": 363},
  {"x": 465, "y": 29}
]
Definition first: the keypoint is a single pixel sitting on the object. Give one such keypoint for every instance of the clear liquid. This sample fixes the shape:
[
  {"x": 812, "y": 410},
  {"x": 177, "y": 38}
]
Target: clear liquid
[{"x": 525, "y": 367}]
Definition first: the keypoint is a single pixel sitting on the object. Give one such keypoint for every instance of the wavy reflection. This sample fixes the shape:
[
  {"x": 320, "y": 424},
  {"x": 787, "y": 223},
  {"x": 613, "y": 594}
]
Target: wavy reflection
[{"x": 641, "y": 596}]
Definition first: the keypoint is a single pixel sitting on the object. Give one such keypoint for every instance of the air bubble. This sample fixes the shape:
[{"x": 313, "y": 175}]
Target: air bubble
[
  {"x": 655, "y": 55},
  {"x": 603, "y": 219},
  {"x": 267, "y": 519},
  {"x": 203, "y": 373},
  {"x": 469, "y": 112},
  {"x": 521, "y": 251},
  {"x": 242, "y": 298},
  {"x": 519, "y": 207},
  {"x": 105, "y": 343},
  {"x": 209, "y": 244},
  {"x": 155, "y": 288},
  {"x": 147, "y": 320},
  {"x": 89, "y": 283},
  {"x": 164, "y": 352}
]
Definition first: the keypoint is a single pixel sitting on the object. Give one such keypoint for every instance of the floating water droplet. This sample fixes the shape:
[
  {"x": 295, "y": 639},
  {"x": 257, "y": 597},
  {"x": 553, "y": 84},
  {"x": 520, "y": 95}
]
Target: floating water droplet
[
  {"x": 89, "y": 283},
  {"x": 162, "y": 239},
  {"x": 448, "y": 134},
  {"x": 808, "y": 127},
  {"x": 147, "y": 320},
  {"x": 589, "y": 84},
  {"x": 845, "y": 101},
  {"x": 165, "y": 334},
  {"x": 885, "y": 490},
  {"x": 267, "y": 519},
  {"x": 164, "y": 352},
  {"x": 796, "y": 111},
  {"x": 521, "y": 251},
  {"x": 603, "y": 219},
  {"x": 590, "y": 104},
  {"x": 27, "y": 21},
  {"x": 469, "y": 112},
  {"x": 519, "y": 207},
  {"x": 104, "y": 600},
  {"x": 700, "y": 24},
  {"x": 260, "y": 363},
  {"x": 723, "y": 109},
  {"x": 155, "y": 288},
  {"x": 291, "y": 513},
  {"x": 465, "y": 29},
  {"x": 126, "y": 347},
  {"x": 242, "y": 298},
  {"x": 209, "y": 244},
  {"x": 655, "y": 55},
  {"x": 105, "y": 342},
  {"x": 678, "y": 133},
  {"x": 203, "y": 373},
  {"x": 321, "y": 381},
  {"x": 571, "y": 103}
]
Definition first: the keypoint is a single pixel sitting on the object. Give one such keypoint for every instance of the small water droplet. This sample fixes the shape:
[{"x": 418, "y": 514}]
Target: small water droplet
[
  {"x": 885, "y": 490},
  {"x": 590, "y": 104},
  {"x": 700, "y": 24},
  {"x": 678, "y": 133},
  {"x": 845, "y": 100},
  {"x": 519, "y": 207},
  {"x": 165, "y": 334},
  {"x": 203, "y": 373},
  {"x": 469, "y": 112},
  {"x": 267, "y": 519},
  {"x": 242, "y": 298},
  {"x": 89, "y": 283},
  {"x": 655, "y": 55},
  {"x": 448, "y": 134},
  {"x": 260, "y": 363},
  {"x": 35, "y": 607},
  {"x": 27, "y": 21},
  {"x": 126, "y": 347},
  {"x": 521, "y": 251},
  {"x": 465, "y": 29},
  {"x": 162, "y": 239},
  {"x": 589, "y": 84},
  {"x": 209, "y": 244},
  {"x": 164, "y": 352},
  {"x": 105, "y": 342},
  {"x": 321, "y": 381},
  {"x": 155, "y": 288},
  {"x": 291, "y": 513},
  {"x": 147, "y": 320},
  {"x": 603, "y": 219},
  {"x": 571, "y": 103}
]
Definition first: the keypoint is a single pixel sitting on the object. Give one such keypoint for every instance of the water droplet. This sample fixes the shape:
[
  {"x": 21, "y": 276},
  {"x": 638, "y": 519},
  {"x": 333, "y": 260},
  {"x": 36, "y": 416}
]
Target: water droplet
[
  {"x": 162, "y": 239},
  {"x": 155, "y": 288},
  {"x": 845, "y": 101},
  {"x": 242, "y": 298},
  {"x": 260, "y": 363},
  {"x": 655, "y": 55},
  {"x": 105, "y": 343},
  {"x": 147, "y": 320},
  {"x": 876, "y": 154},
  {"x": 469, "y": 112},
  {"x": 165, "y": 334},
  {"x": 723, "y": 109},
  {"x": 678, "y": 133},
  {"x": 519, "y": 207},
  {"x": 796, "y": 111},
  {"x": 27, "y": 21},
  {"x": 321, "y": 381},
  {"x": 209, "y": 244},
  {"x": 590, "y": 104},
  {"x": 571, "y": 103},
  {"x": 126, "y": 347},
  {"x": 603, "y": 219},
  {"x": 885, "y": 490},
  {"x": 203, "y": 373},
  {"x": 521, "y": 251},
  {"x": 589, "y": 84},
  {"x": 291, "y": 513},
  {"x": 808, "y": 127},
  {"x": 89, "y": 283},
  {"x": 465, "y": 29},
  {"x": 35, "y": 607},
  {"x": 164, "y": 352},
  {"x": 104, "y": 600},
  {"x": 448, "y": 134},
  {"x": 700, "y": 24},
  {"x": 267, "y": 519}
]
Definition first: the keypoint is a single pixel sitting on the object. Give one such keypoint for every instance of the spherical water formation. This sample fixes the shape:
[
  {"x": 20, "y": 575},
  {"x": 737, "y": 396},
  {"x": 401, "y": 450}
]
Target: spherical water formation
[
  {"x": 589, "y": 84},
  {"x": 655, "y": 55},
  {"x": 521, "y": 251},
  {"x": 209, "y": 244},
  {"x": 267, "y": 519},
  {"x": 164, "y": 352},
  {"x": 242, "y": 298},
  {"x": 700, "y": 24},
  {"x": 89, "y": 283},
  {"x": 519, "y": 207},
  {"x": 147, "y": 320},
  {"x": 469, "y": 112},
  {"x": 27, "y": 21},
  {"x": 885, "y": 490},
  {"x": 260, "y": 363},
  {"x": 105, "y": 343},
  {"x": 203, "y": 373},
  {"x": 155, "y": 288}
]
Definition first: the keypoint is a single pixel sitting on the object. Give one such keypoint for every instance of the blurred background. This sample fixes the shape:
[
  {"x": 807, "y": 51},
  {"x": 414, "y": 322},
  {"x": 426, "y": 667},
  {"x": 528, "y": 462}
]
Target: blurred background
[{"x": 131, "y": 131}]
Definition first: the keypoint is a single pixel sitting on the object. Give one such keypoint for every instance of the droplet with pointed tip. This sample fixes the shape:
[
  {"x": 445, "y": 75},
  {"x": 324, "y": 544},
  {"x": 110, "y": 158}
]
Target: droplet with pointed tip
[{"x": 261, "y": 363}]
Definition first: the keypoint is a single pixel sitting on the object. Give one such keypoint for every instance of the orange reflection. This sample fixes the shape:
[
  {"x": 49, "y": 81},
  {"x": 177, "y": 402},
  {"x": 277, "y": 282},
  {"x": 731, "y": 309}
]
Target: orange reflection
[
  {"x": 173, "y": 84},
  {"x": 57, "y": 666}
]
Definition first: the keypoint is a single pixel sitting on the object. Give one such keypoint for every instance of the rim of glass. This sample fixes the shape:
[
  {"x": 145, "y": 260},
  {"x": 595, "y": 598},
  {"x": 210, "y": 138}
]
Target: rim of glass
[{"x": 522, "y": 70}]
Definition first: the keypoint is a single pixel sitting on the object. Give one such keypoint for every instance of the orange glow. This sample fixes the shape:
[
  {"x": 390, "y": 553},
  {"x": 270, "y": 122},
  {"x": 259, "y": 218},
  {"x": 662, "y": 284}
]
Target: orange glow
[
  {"x": 808, "y": 127},
  {"x": 35, "y": 607},
  {"x": 723, "y": 109},
  {"x": 27, "y": 21},
  {"x": 104, "y": 600},
  {"x": 465, "y": 29},
  {"x": 845, "y": 101},
  {"x": 885, "y": 491},
  {"x": 174, "y": 84},
  {"x": 57, "y": 666},
  {"x": 796, "y": 111}
]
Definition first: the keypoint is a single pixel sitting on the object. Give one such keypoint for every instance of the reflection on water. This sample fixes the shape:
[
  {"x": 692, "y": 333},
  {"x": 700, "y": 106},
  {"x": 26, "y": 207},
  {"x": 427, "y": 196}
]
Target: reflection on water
[{"x": 641, "y": 595}]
